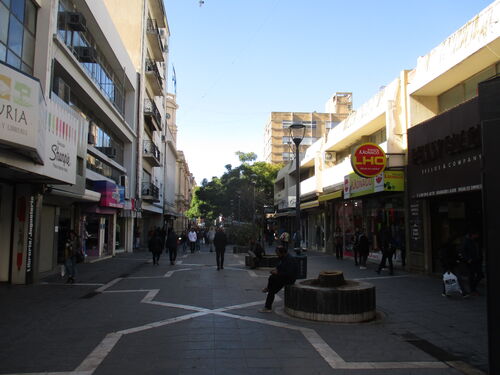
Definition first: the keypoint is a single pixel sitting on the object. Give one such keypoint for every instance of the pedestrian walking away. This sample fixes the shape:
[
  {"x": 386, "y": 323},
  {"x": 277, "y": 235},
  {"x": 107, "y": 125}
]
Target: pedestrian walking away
[
  {"x": 211, "y": 236},
  {"x": 387, "y": 249},
  {"x": 355, "y": 246},
  {"x": 284, "y": 274},
  {"x": 156, "y": 246},
  {"x": 220, "y": 242},
  {"x": 473, "y": 258},
  {"x": 172, "y": 245},
  {"x": 339, "y": 251},
  {"x": 192, "y": 237},
  {"x": 70, "y": 254}
]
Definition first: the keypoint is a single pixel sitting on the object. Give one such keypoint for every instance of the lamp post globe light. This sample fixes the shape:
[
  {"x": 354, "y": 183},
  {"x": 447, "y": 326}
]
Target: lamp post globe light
[{"x": 297, "y": 132}]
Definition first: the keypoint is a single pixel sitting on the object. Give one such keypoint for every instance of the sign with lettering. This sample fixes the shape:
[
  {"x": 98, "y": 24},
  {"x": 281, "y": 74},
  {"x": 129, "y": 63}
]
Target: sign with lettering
[
  {"x": 22, "y": 113},
  {"x": 356, "y": 186},
  {"x": 368, "y": 160},
  {"x": 445, "y": 153},
  {"x": 63, "y": 129}
]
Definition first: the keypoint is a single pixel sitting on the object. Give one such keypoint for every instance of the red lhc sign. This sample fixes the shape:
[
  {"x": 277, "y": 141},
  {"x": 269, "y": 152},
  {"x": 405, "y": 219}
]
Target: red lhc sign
[{"x": 368, "y": 160}]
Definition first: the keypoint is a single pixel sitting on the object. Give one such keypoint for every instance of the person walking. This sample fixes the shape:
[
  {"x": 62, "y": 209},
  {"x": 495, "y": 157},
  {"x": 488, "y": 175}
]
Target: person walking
[
  {"x": 284, "y": 274},
  {"x": 473, "y": 257},
  {"x": 70, "y": 250},
  {"x": 355, "y": 246},
  {"x": 220, "y": 242},
  {"x": 211, "y": 236},
  {"x": 363, "y": 248},
  {"x": 184, "y": 240},
  {"x": 192, "y": 237},
  {"x": 172, "y": 245},
  {"x": 337, "y": 237},
  {"x": 387, "y": 248},
  {"x": 156, "y": 246}
]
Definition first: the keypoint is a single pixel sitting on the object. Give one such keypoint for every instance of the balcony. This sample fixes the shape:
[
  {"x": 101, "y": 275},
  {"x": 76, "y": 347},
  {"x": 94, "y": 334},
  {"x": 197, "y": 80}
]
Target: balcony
[
  {"x": 154, "y": 39},
  {"x": 151, "y": 153},
  {"x": 150, "y": 192},
  {"x": 153, "y": 77},
  {"x": 152, "y": 115}
]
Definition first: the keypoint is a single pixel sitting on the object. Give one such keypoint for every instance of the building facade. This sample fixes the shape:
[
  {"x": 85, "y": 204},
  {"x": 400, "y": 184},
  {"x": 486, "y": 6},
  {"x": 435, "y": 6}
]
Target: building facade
[
  {"x": 427, "y": 121},
  {"x": 72, "y": 69},
  {"x": 143, "y": 27},
  {"x": 278, "y": 145},
  {"x": 84, "y": 136}
]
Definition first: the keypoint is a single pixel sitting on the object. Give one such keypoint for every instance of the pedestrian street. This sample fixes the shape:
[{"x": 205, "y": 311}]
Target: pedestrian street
[{"x": 205, "y": 321}]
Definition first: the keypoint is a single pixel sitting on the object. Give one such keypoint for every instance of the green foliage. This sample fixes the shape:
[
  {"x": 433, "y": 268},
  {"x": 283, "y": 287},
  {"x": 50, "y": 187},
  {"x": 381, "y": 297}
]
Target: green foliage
[
  {"x": 240, "y": 193},
  {"x": 242, "y": 234},
  {"x": 245, "y": 157}
]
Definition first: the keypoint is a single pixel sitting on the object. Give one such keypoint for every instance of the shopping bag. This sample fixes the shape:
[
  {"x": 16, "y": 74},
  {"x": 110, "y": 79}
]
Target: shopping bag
[{"x": 451, "y": 285}]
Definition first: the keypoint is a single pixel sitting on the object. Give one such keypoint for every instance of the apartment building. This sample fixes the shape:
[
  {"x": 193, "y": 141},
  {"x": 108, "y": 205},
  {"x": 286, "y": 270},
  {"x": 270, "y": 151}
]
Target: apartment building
[
  {"x": 143, "y": 28},
  {"x": 185, "y": 184},
  {"x": 67, "y": 98},
  {"x": 427, "y": 120},
  {"x": 278, "y": 146}
]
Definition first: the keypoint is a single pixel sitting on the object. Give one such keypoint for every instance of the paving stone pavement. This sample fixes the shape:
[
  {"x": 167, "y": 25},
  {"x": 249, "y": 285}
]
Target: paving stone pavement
[{"x": 127, "y": 316}]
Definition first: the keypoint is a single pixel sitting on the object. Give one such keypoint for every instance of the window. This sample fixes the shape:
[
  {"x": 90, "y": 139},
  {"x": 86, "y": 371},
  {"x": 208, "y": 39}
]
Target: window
[
  {"x": 17, "y": 34},
  {"x": 87, "y": 52},
  {"x": 465, "y": 90}
]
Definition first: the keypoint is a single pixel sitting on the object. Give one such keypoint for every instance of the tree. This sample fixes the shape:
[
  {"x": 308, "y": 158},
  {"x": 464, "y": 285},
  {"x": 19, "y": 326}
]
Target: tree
[
  {"x": 240, "y": 193},
  {"x": 246, "y": 157}
]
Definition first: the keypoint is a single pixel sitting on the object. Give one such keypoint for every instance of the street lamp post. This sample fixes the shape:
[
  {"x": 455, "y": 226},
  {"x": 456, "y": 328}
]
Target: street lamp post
[{"x": 297, "y": 132}]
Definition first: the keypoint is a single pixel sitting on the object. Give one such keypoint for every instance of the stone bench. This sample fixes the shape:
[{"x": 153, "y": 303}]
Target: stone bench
[
  {"x": 267, "y": 261},
  {"x": 240, "y": 249}
]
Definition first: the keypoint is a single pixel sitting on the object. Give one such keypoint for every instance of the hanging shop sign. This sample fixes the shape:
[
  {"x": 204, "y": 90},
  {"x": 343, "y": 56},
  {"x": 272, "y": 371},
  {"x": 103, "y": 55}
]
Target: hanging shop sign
[
  {"x": 368, "y": 160},
  {"x": 356, "y": 186},
  {"x": 110, "y": 194}
]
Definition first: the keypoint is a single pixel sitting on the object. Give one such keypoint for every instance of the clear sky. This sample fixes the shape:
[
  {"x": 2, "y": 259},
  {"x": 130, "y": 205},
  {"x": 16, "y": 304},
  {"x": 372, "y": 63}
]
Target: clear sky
[{"x": 236, "y": 61}]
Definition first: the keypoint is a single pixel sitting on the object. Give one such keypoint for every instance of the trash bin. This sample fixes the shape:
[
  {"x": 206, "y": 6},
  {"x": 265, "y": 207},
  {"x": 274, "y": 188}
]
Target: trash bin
[{"x": 301, "y": 260}]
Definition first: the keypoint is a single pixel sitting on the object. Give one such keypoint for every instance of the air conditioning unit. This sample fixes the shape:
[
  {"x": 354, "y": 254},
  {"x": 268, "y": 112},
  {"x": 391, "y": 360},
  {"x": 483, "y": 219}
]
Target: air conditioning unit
[
  {"x": 124, "y": 183},
  {"x": 63, "y": 90},
  {"x": 72, "y": 21},
  {"x": 330, "y": 156},
  {"x": 86, "y": 54}
]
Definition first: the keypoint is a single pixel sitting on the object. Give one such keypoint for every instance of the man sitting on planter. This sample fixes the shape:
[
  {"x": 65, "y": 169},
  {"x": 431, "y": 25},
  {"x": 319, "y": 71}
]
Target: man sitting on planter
[{"x": 284, "y": 274}]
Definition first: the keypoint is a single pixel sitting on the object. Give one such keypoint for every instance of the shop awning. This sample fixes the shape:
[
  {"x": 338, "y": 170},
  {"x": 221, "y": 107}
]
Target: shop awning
[
  {"x": 312, "y": 204},
  {"x": 327, "y": 197}
]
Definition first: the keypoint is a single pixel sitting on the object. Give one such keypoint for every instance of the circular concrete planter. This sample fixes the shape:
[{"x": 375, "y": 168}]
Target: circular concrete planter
[{"x": 330, "y": 298}]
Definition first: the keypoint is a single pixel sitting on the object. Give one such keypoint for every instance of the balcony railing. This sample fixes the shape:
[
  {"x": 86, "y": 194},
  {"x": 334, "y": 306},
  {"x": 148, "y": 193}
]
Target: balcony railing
[
  {"x": 152, "y": 153},
  {"x": 154, "y": 77},
  {"x": 150, "y": 192},
  {"x": 155, "y": 39},
  {"x": 151, "y": 112}
]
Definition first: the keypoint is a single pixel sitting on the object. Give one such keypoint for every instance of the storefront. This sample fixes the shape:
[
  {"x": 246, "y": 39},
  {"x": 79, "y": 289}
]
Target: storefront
[
  {"x": 444, "y": 183},
  {"x": 370, "y": 204},
  {"x": 102, "y": 220}
]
